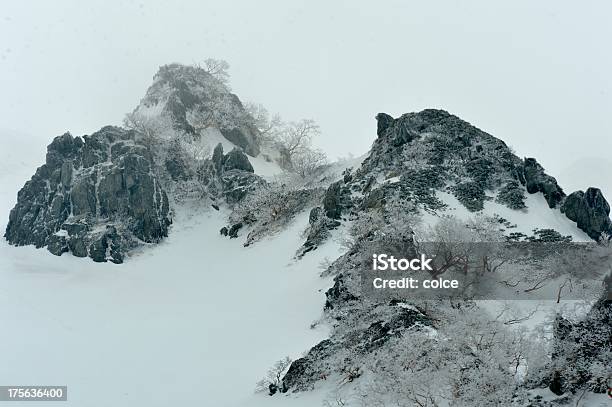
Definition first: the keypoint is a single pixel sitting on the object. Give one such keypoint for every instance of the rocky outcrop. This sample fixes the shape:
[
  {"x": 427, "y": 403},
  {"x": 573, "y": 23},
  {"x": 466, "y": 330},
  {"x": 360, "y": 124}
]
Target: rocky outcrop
[
  {"x": 305, "y": 371},
  {"x": 318, "y": 230},
  {"x": 95, "y": 196},
  {"x": 236, "y": 160},
  {"x": 189, "y": 94},
  {"x": 383, "y": 122},
  {"x": 590, "y": 211},
  {"x": 228, "y": 175},
  {"x": 536, "y": 180},
  {"x": 336, "y": 200}
]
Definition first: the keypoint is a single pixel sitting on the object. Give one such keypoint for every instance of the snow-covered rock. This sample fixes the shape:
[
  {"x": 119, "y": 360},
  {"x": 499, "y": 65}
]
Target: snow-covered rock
[
  {"x": 194, "y": 99},
  {"x": 99, "y": 192}
]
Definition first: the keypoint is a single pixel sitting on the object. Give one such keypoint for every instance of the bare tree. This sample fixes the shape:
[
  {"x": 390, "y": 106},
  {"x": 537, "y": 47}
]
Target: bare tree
[
  {"x": 297, "y": 136},
  {"x": 269, "y": 126},
  {"x": 307, "y": 161},
  {"x": 149, "y": 128},
  {"x": 295, "y": 142},
  {"x": 217, "y": 68},
  {"x": 272, "y": 381}
]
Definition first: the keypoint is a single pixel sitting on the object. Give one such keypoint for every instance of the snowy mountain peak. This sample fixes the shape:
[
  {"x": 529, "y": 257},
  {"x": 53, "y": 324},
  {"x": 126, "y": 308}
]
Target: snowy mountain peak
[
  {"x": 194, "y": 99},
  {"x": 445, "y": 165}
]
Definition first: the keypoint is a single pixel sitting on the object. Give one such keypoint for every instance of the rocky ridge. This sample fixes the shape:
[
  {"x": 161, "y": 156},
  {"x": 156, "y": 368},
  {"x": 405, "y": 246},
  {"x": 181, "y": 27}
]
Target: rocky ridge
[
  {"x": 193, "y": 98},
  {"x": 102, "y": 195},
  {"x": 95, "y": 196},
  {"x": 414, "y": 158},
  {"x": 419, "y": 154}
]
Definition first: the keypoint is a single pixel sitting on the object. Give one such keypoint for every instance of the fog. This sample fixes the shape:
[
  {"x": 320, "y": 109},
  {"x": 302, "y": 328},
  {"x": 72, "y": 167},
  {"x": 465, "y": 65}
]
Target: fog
[{"x": 535, "y": 74}]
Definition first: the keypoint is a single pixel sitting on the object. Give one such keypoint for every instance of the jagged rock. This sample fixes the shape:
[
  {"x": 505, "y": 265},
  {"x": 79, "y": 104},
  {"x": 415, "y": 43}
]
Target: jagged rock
[
  {"x": 230, "y": 176},
  {"x": 57, "y": 245},
  {"x": 236, "y": 160},
  {"x": 315, "y": 214},
  {"x": 233, "y": 230},
  {"x": 272, "y": 389},
  {"x": 237, "y": 184},
  {"x": 224, "y": 231},
  {"x": 556, "y": 384},
  {"x": 107, "y": 246},
  {"x": 590, "y": 211},
  {"x": 303, "y": 372},
  {"x": 183, "y": 91},
  {"x": 318, "y": 231},
  {"x": 536, "y": 180},
  {"x": 338, "y": 294},
  {"x": 337, "y": 198},
  {"x": 95, "y": 181},
  {"x": 217, "y": 157},
  {"x": 383, "y": 123},
  {"x": 374, "y": 199}
]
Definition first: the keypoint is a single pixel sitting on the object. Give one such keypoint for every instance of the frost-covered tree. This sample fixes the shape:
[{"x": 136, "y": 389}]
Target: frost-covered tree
[
  {"x": 218, "y": 68},
  {"x": 269, "y": 125},
  {"x": 150, "y": 129},
  {"x": 272, "y": 381},
  {"x": 306, "y": 162},
  {"x": 293, "y": 140},
  {"x": 469, "y": 360},
  {"x": 178, "y": 161},
  {"x": 297, "y": 136},
  {"x": 271, "y": 206},
  {"x": 220, "y": 109},
  {"x": 475, "y": 246}
]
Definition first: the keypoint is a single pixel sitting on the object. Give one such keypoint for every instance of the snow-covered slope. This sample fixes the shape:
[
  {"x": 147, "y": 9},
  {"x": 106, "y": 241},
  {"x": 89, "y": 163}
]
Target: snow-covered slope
[
  {"x": 537, "y": 214},
  {"x": 199, "y": 318},
  {"x": 196, "y": 320}
]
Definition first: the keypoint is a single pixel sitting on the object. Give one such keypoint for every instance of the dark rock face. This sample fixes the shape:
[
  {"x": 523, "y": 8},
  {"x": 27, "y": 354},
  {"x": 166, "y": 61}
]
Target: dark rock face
[
  {"x": 337, "y": 198},
  {"x": 217, "y": 157},
  {"x": 431, "y": 150},
  {"x": 536, "y": 180},
  {"x": 590, "y": 211},
  {"x": 183, "y": 90},
  {"x": 95, "y": 196},
  {"x": 236, "y": 160},
  {"x": 383, "y": 123},
  {"x": 233, "y": 230},
  {"x": 318, "y": 231},
  {"x": 338, "y": 294},
  {"x": 237, "y": 184},
  {"x": 303, "y": 372},
  {"x": 228, "y": 175}
]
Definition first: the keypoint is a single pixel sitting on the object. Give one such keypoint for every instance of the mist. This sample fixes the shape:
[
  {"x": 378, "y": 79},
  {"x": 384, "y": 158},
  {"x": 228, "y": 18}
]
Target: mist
[{"x": 535, "y": 74}]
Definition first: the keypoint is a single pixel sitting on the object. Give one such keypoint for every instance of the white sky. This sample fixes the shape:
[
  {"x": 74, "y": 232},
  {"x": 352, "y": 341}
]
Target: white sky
[{"x": 535, "y": 74}]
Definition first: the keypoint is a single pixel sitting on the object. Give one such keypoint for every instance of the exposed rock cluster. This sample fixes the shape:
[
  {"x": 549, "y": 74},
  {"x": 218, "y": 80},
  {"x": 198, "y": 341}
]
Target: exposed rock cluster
[{"x": 95, "y": 196}]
